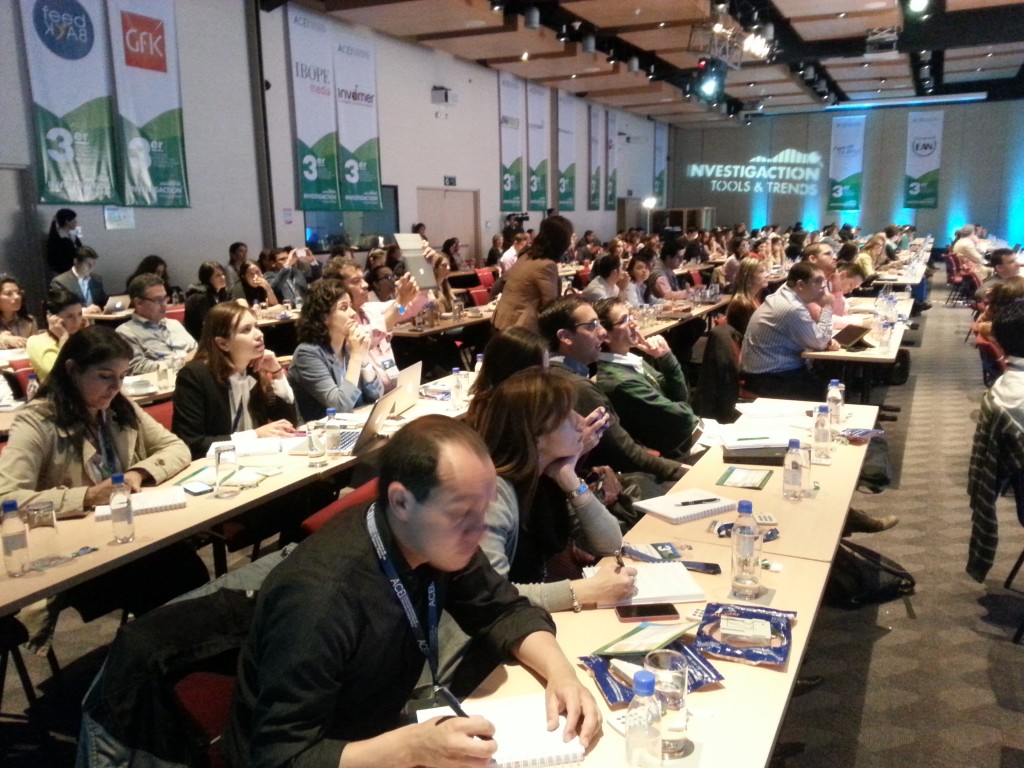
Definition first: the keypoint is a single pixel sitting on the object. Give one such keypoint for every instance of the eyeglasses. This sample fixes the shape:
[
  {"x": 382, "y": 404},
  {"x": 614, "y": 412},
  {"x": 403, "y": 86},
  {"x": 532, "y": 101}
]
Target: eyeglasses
[
  {"x": 156, "y": 299},
  {"x": 621, "y": 321},
  {"x": 389, "y": 278},
  {"x": 590, "y": 326}
]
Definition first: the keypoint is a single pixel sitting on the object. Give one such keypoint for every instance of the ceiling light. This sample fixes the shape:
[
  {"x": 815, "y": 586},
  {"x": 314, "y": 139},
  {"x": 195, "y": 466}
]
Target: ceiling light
[
  {"x": 711, "y": 78},
  {"x": 651, "y": 72},
  {"x": 881, "y": 80},
  {"x": 572, "y": 77},
  {"x": 917, "y": 6},
  {"x": 980, "y": 69},
  {"x": 633, "y": 64},
  {"x": 610, "y": 58},
  {"x": 865, "y": 65},
  {"x": 841, "y": 15},
  {"x": 588, "y": 44},
  {"x": 532, "y": 17},
  {"x": 525, "y": 56},
  {"x": 497, "y": 6},
  {"x": 750, "y": 85},
  {"x": 661, "y": 25},
  {"x": 989, "y": 55},
  {"x": 563, "y": 34},
  {"x": 748, "y": 121}
]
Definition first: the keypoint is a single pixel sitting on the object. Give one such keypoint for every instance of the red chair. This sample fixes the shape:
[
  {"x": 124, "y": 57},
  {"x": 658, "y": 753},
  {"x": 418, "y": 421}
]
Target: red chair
[
  {"x": 163, "y": 412},
  {"x": 696, "y": 277},
  {"x": 22, "y": 370},
  {"x": 480, "y": 296},
  {"x": 207, "y": 697},
  {"x": 362, "y": 496},
  {"x": 176, "y": 312},
  {"x": 993, "y": 361},
  {"x": 486, "y": 275}
]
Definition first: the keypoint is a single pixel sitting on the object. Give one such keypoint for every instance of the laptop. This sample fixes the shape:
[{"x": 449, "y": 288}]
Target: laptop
[
  {"x": 408, "y": 388},
  {"x": 351, "y": 441},
  {"x": 850, "y": 336},
  {"x": 422, "y": 270},
  {"x": 118, "y": 303}
]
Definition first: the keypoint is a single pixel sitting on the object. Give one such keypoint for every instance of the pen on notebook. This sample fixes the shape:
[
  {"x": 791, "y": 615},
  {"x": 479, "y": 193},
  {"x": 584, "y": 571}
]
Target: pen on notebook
[
  {"x": 618, "y": 560},
  {"x": 450, "y": 700},
  {"x": 692, "y": 502},
  {"x": 747, "y": 439}
]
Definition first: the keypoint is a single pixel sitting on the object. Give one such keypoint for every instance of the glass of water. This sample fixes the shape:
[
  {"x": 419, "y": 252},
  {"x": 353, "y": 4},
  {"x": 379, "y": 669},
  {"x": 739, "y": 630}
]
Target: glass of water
[
  {"x": 225, "y": 462},
  {"x": 669, "y": 670}
]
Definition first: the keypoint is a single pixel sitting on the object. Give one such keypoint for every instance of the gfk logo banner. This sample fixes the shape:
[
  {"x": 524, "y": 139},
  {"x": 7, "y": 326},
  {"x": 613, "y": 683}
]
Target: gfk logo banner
[{"x": 143, "y": 42}]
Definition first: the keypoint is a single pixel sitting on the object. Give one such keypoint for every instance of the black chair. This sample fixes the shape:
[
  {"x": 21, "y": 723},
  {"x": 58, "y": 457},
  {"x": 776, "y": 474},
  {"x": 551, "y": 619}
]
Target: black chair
[{"x": 12, "y": 635}]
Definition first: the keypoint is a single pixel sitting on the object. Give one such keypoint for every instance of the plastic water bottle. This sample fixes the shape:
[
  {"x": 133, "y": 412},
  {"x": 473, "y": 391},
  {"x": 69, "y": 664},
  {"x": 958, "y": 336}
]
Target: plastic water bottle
[
  {"x": 316, "y": 440},
  {"x": 121, "y": 511},
  {"x": 793, "y": 472},
  {"x": 163, "y": 376},
  {"x": 15, "y": 540},
  {"x": 643, "y": 721},
  {"x": 479, "y": 363},
  {"x": 746, "y": 554},
  {"x": 822, "y": 444},
  {"x": 834, "y": 398},
  {"x": 457, "y": 393},
  {"x": 32, "y": 387}
]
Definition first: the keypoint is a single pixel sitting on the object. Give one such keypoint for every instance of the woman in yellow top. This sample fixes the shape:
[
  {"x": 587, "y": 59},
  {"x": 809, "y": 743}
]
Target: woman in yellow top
[{"x": 64, "y": 318}]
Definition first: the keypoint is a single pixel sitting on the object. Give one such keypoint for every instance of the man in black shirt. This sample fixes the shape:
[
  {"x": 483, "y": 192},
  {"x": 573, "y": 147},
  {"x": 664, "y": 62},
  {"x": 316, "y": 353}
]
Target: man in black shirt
[{"x": 343, "y": 625}]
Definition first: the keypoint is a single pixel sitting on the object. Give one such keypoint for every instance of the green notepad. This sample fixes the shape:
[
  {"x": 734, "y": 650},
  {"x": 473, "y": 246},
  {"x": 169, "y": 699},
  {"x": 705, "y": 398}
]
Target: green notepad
[{"x": 744, "y": 477}]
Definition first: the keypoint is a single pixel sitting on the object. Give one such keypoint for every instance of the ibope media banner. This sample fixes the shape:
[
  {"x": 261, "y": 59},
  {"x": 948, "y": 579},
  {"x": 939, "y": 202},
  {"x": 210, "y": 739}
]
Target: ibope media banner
[
  {"x": 316, "y": 128},
  {"x": 846, "y": 163},
  {"x": 355, "y": 89},
  {"x": 145, "y": 49},
  {"x": 924, "y": 156},
  {"x": 69, "y": 71}
]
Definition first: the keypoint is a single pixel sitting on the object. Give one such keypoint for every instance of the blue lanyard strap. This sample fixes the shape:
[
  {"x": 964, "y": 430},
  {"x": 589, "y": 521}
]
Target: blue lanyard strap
[{"x": 427, "y": 647}]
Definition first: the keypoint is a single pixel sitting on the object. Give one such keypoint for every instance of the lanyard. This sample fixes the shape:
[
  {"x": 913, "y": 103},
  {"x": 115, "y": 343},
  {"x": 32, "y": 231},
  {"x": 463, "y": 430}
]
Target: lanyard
[
  {"x": 238, "y": 415},
  {"x": 427, "y": 647}
]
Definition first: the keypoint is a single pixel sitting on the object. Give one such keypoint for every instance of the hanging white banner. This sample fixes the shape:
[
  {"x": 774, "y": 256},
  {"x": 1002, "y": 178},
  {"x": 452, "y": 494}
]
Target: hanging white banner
[
  {"x": 566, "y": 151},
  {"x": 510, "y": 122},
  {"x": 144, "y": 44},
  {"x": 69, "y": 71},
  {"x": 311, "y": 47},
  {"x": 594, "y": 158},
  {"x": 355, "y": 90},
  {"x": 846, "y": 163},
  {"x": 611, "y": 160},
  {"x": 538, "y": 145},
  {"x": 924, "y": 157}
]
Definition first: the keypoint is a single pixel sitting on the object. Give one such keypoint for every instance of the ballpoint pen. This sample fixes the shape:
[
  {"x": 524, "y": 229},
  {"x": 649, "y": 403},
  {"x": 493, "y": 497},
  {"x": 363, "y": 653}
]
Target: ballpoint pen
[
  {"x": 450, "y": 700},
  {"x": 618, "y": 560},
  {"x": 692, "y": 502}
]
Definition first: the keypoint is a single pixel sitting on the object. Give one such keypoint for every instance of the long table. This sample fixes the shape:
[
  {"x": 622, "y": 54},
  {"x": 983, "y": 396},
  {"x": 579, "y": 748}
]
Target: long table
[{"x": 810, "y": 530}]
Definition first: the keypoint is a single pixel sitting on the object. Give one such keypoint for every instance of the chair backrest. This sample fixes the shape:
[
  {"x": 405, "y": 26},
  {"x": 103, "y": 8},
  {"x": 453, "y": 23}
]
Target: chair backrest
[
  {"x": 176, "y": 312},
  {"x": 162, "y": 411},
  {"x": 486, "y": 275},
  {"x": 21, "y": 375},
  {"x": 718, "y": 389},
  {"x": 698, "y": 278},
  {"x": 479, "y": 295},
  {"x": 993, "y": 361},
  {"x": 361, "y": 497},
  {"x": 18, "y": 364}
]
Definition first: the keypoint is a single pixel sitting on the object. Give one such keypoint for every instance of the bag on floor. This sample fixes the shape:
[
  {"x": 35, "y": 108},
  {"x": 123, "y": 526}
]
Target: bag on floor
[{"x": 861, "y": 576}]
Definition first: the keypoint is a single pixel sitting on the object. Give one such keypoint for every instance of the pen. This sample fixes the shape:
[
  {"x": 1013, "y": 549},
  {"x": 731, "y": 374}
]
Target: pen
[
  {"x": 695, "y": 501},
  {"x": 450, "y": 700},
  {"x": 618, "y": 560},
  {"x": 742, "y": 439}
]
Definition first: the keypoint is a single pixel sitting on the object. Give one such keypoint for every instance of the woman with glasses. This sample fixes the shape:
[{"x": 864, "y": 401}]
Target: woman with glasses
[
  {"x": 651, "y": 398},
  {"x": 331, "y": 366},
  {"x": 382, "y": 283},
  {"x": 16, "y": 324}
]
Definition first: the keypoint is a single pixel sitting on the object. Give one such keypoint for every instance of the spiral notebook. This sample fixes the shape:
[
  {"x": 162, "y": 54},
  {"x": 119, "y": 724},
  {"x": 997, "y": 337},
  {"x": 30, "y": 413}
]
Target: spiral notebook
[
  {"x": 667, "y": 582},
  {"x": 520, "y": 730},
  {"x": 144, "y": 502},
  {"x": 680, "y": 507}
]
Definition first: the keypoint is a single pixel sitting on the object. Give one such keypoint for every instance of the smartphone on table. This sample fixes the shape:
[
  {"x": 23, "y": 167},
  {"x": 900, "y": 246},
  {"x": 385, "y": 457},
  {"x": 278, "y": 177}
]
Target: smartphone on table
[{"x": 649, "y": 612}]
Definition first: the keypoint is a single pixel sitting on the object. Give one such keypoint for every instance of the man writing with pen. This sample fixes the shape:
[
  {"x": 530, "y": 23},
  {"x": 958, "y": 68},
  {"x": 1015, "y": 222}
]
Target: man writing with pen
[{"x": 343, "y": 625}]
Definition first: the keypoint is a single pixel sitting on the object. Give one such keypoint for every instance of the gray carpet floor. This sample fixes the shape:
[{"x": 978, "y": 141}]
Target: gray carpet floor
[{"x": 931, "y": 682}]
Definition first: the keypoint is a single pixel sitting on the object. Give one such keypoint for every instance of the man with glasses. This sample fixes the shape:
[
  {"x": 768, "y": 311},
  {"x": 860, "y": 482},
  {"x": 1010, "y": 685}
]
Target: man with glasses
[
  {"x": 781, "y": 329},
  {"x": 574, "y": 334},
  {"x": 153, "y": 337}
]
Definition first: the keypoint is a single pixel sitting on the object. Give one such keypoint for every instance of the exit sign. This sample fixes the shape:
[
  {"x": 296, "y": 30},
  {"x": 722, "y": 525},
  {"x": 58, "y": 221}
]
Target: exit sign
[{"x": 449, "y": 181}]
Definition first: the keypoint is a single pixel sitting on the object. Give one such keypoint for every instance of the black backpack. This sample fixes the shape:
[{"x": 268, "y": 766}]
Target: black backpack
[{"x": 861, "y": 576}]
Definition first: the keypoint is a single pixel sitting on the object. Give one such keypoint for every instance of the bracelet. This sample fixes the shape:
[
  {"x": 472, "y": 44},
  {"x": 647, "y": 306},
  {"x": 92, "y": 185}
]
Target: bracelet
[
  {"x": 279, "y": 369},
  {"x": 580, "y": 490},
  {"x": 576, "y": 607}
]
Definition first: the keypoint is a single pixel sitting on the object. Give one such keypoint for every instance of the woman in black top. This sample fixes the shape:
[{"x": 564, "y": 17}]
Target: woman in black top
[
  {"x": 202, "y": 296},
  {"x": 62, "y": 243}
]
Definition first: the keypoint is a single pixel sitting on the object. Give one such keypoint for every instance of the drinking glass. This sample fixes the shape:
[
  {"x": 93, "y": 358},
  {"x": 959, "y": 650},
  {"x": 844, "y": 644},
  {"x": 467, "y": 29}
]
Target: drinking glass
[
  {"x": 43, "y": 541},
  {"x": 225, "y": 462},
  {"x": 669, "y": 670}
]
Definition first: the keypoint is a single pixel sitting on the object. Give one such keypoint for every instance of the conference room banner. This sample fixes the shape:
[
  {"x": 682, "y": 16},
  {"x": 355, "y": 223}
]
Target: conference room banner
[
  {"x": 72, "y": 100},
  {"x": 660, "y": 162},
  {"x": 594, "y": 159},
  {"x": 924, "y": 155},
  {"x": 144, "y": 44},
  {"x": 316, "y": 129},
  {"x": 566, "y": 151},
  {"x": 538, "y": 145},
  {"x": 510, "y": 122},
  {"x": 611, "y": 159},
  {"x": 355, "y": 91},
  {"x": 846, "y": 163}
]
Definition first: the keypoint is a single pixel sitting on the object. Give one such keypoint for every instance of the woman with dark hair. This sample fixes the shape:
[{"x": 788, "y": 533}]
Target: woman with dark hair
[
  {"x": 450, "y": 253},
  {"x": 535, "y": 439},
  {"x": 62, "y": 242},
  {"x": 63, "y": 320},
  {"x": 847, "y": 253},
  {"x": 534, "y": 283},
  {"x": 252, "y": 286},
  {"x": 233, "y": 387},
  {"x": 204, "y": 295},
  {"x": 65, "y": 445},
  {"x": 331, "y": 366},
  {"x": 393, "y": 259},
  {"x": 238, "y": 254},
  {"x": 506, "y": 353},
  {"x": 16, "y": 324},
  {"x": 638, "y": 291},
  {"x": 151, "y": 265}
]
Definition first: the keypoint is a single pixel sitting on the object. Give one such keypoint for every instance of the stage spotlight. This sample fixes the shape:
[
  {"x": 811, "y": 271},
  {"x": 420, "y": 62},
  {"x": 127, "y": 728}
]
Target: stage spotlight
[{"x": 711, "y": 79}]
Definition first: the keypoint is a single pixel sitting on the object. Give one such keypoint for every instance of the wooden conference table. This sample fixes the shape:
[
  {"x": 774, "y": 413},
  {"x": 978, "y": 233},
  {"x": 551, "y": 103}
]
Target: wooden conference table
[{"x": 810, "y": 530}]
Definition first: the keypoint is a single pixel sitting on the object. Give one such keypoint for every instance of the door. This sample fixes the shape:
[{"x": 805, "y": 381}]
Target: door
[{"x": 451, "y": 213}]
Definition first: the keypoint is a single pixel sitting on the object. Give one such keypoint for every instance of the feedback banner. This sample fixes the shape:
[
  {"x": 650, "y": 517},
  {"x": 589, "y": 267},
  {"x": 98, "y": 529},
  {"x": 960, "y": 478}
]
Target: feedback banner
[
  {"x": 924, "y": 154},
  {"x": 846, "y": 163},
  {"x": 145, "y": 50}
]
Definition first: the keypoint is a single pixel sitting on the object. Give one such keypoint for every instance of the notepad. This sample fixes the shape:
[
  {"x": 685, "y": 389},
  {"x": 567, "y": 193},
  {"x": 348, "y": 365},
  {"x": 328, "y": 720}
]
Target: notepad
[
  {"x": 666, "y": 582},
  {"x": 520, "y": 731},
  {"x": 144, "y": 502},
  {"x": 669, "y": 507}
]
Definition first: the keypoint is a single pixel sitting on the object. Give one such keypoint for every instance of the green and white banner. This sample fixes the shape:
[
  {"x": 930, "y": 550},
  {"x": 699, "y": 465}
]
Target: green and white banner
[
  {"x": 660, "y": 162},
  {"x": 355, "y": 89},
  {"x": 611, "y": 143},
  {"x": 69, "y": 71},
  {"x": 538, "y": 145},
  {"x": 566, "y": 152},
  {"x": 845, "y": 166},
  {"x": 510, "y": 122},
  {"x": 144, "y": 45},
  {"x": 594, "y": 159},
  {"x": 316, "y": 129},
  {"x": 924, "y": 157}
]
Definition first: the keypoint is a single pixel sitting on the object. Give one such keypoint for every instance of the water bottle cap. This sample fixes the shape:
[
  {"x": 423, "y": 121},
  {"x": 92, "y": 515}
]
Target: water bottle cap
[
  {"x": 643, "y": 683},
  {"x": 794, "y": 443},
  {"x": 117, "y": 479},
  {"x": 332, "y": 412},
  {"x": 745, "y": 507},
  {"x": 455, "y": 371},
  {"x": 32, "y": 376},
  {"x": 833, "y": 383},
  {"x": 9, "y": 505},
  {"x": 822, "y": 409}
]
